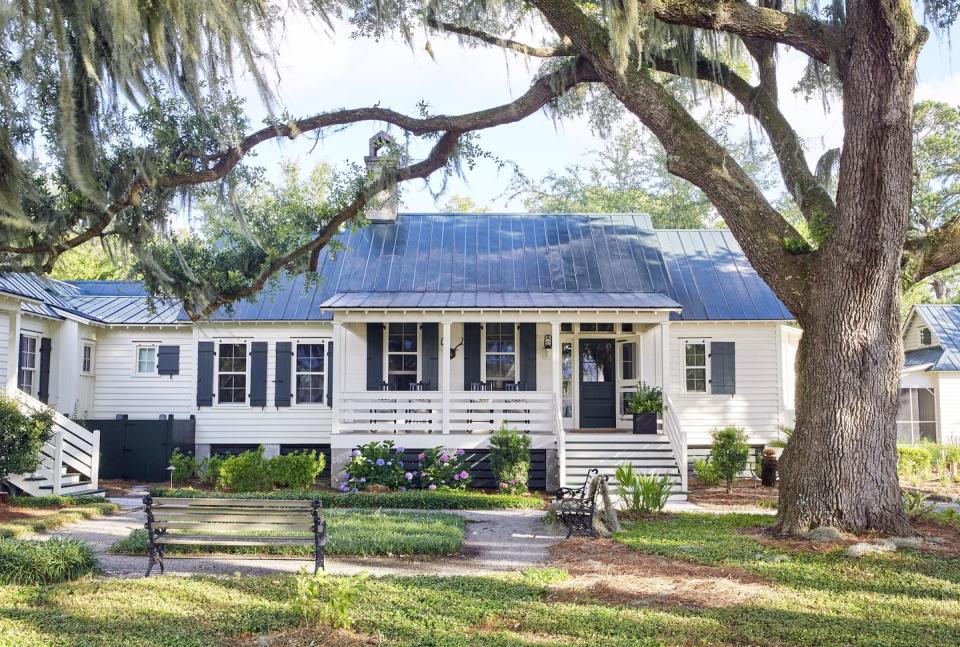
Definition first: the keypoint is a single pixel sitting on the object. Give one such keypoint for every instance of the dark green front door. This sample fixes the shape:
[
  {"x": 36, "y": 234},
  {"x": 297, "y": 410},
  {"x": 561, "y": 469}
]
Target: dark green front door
[{"x": 597, "y": 386}]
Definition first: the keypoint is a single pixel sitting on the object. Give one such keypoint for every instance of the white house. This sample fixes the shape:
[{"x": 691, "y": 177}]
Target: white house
[
  {"x": 430, "y": 329},
  {"x": 930, "y": 385}
]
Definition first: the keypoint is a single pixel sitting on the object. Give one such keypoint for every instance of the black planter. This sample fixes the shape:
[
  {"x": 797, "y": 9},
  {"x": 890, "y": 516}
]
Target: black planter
[{"x": 645, "y": 423}]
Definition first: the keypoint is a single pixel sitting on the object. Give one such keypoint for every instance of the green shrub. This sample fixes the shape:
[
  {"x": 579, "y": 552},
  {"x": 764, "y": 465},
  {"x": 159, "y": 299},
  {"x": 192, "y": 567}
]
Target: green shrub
[
  {"x": 208, "y": 470},
  {"x": 45, "y": 562},
  {"x": 706, "y": 473},
  {"x": 441, "y": 469},
  {"x": 376, "y": 463},
  {"x": 330, "y": 601},
  {"x": 510, "y": 459},
  {"x": 296, "y": 470},
  {"x": 642, "y": 493},
  {"x": 729, "y": 453},
  {"x": 646, "y": 399},
  {"x": 913, "y": 462},
  {"x": 245, "y": 472},
  {"x": 22, "y": 435},
  {"x": 184, "y": 466},
  {"x": 412, "y": 499},
  {"x": 59, "y": 501},
  {"x": 915, "y": 504}
]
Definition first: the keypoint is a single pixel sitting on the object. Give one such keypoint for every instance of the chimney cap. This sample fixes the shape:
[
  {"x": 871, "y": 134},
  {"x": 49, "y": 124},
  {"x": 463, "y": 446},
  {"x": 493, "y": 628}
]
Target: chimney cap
[{"x": 381, "y": 140}]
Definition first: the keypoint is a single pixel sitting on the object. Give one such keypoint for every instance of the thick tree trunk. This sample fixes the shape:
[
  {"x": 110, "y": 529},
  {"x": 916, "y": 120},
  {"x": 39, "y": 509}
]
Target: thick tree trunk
[{"x": 839, "y": 468}]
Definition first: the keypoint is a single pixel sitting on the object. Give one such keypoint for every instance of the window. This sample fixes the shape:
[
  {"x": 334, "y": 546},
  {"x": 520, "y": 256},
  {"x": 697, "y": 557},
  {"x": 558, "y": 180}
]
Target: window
[
  {"x": 566, "y": 374},
  {"x": 596, "y": 327},
  {"x": 402, "y": 356},
  {"x": 628, "y": 361},
  {"x": 916, "y": 416},
  {"x": 29, "y": 360},
  {"x": 925, "y": 337},
  {"x": 695, "y": 364},
  {"x": 232, "y": 373},
  {"x": 86, "y": 359},
  {"x": 566, "y": 327},
  {"x": 311, "y": 380},
  {"x": 627, "y": 327},
  {"x": 146, "y": 360},
  {"x": 500, "y": 354}
]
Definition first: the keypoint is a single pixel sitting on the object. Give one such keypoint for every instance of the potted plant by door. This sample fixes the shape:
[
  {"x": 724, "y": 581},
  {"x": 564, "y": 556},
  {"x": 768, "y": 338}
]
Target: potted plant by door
[{"x": 646, "y": 404}]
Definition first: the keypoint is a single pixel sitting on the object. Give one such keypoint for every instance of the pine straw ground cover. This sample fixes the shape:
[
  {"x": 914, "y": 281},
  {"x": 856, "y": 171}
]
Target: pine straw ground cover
[
  {"x": 360, "y": 533},
  {"x": 682, "y": 580}
]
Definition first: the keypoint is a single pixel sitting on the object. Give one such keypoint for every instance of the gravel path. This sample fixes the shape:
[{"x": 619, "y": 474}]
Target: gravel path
[{"x": 497, "y": 541}]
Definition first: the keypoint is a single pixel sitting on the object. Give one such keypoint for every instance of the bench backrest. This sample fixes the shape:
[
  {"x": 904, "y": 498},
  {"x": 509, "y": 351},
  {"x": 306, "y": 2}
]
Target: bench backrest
[{"x": 225, "y": 515}]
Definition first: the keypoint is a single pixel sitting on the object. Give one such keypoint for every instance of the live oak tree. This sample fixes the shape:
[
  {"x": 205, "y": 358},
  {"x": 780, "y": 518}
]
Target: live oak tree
[{"x": 127, "y": 99}]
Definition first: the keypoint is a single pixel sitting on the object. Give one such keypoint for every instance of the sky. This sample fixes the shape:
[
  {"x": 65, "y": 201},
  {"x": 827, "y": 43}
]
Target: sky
[{"x": 320, "y": 70}]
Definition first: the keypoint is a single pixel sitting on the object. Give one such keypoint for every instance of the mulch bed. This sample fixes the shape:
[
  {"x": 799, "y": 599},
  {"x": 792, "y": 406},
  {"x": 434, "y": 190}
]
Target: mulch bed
[
  {"x": 12, "y": 513},
  {"x": 747, "y": 496},
  {"x": 612, "y": 573}
]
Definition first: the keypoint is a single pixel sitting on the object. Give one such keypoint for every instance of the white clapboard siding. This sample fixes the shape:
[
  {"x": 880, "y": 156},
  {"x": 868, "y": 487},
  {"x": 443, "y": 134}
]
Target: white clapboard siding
[
  {"x": 911, "y": 334},
  {"x": 756, "y": 404},
  {"x": 947, "y": 393},
  {"x": 119, "y": 391},
  {"x": 4, "y": 346}
]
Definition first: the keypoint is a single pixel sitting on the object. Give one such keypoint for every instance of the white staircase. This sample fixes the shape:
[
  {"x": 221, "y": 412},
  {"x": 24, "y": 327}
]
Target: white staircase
[
  {"x": 69, "y": 462},
  {"x": 649, "y": 454}
]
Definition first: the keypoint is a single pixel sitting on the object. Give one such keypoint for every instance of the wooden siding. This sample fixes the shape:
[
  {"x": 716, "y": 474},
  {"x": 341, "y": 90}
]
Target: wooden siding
[{"x": 911, "y": 335}]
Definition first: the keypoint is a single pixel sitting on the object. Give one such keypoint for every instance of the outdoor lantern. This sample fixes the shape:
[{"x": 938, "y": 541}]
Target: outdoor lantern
[
  {"x": 547, "y": 341},
  {"x": 171, "y": 468}
]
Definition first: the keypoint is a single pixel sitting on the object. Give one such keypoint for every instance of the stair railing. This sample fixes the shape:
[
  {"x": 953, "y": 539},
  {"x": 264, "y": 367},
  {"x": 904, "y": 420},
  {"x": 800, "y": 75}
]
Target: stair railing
[{"x": 678, "y": 439}]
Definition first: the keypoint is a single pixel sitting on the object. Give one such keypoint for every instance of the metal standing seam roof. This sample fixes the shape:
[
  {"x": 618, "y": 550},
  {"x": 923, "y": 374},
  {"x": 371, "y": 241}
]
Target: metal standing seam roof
[
  {"x": 922, "y": 357},
  {"x": 432, "y": 261},
  {"x": 944, "y": 322}
]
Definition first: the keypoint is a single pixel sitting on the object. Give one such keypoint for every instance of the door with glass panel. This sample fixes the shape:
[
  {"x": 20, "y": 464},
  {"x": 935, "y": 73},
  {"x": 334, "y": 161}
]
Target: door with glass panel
[{"x": 597, "y": 384}]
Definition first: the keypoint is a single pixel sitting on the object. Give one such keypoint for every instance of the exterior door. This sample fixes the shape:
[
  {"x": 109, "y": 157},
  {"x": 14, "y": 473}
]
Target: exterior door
[{"x": 597, "y": 384}]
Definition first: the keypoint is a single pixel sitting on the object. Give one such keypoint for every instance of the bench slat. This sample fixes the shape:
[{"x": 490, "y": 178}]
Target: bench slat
[
  {"x": 163, "y": 516},
  {"x": 239, "y": 527},
  {"x": 159, "y": 502},
  {"x": 213, "y": 540}
]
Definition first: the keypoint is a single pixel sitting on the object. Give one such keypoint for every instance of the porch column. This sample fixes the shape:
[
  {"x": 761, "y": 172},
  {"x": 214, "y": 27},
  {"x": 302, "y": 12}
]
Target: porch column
[
  {"x": 13, "y": 351},
  {"x": 66, "y": 369},
  {"x": 445, "y": 376},
  {"x": 556, "y": 381},
  {"x": 664, "y": 357},
  {"x": 339, "y": 371}
]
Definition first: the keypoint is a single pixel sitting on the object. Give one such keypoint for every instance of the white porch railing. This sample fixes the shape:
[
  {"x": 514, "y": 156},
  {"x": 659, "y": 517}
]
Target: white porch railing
[
  {"x": 467, "y": 412},
  {"x": 71, "y": 446},
  {"x": 678, "y": 439}
]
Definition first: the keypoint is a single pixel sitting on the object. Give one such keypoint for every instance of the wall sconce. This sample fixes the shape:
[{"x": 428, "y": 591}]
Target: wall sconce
[{"x": 547, "y": 341}]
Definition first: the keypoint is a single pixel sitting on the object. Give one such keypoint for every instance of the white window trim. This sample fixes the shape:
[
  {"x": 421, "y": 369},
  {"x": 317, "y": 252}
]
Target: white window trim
[
  {"x": 93, "y": 355},
  {"x": 387, "y": 353},
  {"x": 326, "y": 370},
  {"x": 517, "y": 377},
  {"x": 683, "y": 375},
  {"x": 216, "y": 373},
  {"x": 35, "y": 371},
  {"x": 136, "y": 359},
  {"x": 625, "y": 385}
]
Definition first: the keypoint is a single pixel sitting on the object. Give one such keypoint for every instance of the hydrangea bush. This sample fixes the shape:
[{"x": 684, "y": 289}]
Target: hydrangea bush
[
  {"x": 376, "y": 463},
  {"x": 441, "y": 469}
]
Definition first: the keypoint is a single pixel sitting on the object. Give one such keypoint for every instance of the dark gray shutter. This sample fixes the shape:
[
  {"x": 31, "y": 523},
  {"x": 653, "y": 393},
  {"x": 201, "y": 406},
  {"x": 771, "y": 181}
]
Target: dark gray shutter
[
  {"x": 329, "y": 373},
  {"x": 168, "y": 360},
  {"x": 471, "y": 354},
  {"x": 723, "y": 367},
  {"x": 258, "y": 374},
  {"x": 43, "y": 390},
  {"x": 281, "y": 382},
  {"x": 528, "y": 356},
  {"x": 430, "y": 352},
  {"x": 374, "y": 356},
  {"x": 205, "y": 355}
]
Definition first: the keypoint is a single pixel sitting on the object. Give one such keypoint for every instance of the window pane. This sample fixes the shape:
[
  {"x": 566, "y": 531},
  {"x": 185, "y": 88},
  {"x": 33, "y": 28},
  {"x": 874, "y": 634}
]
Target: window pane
[
  {"x": 310, "y": 358},
  {"x": 696, "y": 355},
  {"x": 310, "y": 388},
  {"x": 627, "y": 358},
  {"x": 697, "y": 380}
]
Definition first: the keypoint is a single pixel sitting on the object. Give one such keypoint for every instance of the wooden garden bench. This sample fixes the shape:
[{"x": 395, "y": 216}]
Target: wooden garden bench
[
  {"x": 577, "y": 507},
  {"x": 220, "y": 522}
]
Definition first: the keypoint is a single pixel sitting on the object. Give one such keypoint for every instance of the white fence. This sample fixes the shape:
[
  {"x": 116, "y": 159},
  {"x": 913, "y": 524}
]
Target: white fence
[{"x": 456, "y": 412}]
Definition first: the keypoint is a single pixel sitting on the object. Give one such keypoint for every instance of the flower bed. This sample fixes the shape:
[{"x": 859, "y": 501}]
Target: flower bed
[{"x": 411, "y": 499}]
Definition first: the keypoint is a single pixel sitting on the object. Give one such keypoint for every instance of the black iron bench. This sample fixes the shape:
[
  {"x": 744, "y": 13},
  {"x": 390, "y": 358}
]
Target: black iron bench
[
  {"x": 576, "y": 507},
  {"x": 220, "y": 522}
]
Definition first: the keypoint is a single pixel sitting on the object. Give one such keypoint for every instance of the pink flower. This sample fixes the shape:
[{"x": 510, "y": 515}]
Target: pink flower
[
  {"x": 463, "y": 475},
  {"x": 444, "y": 458},
  {"x": 432, "y": 487},
  {"x": 460, "y": 452},
  {"x": 456, "y": 477}
]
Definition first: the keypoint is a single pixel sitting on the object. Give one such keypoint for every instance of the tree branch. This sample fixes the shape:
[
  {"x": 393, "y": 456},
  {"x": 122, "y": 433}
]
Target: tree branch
[
  {"x": 934, "y": 252},
  {"x": 505, "y": 43},
  {"x": 540, "y": 93}
]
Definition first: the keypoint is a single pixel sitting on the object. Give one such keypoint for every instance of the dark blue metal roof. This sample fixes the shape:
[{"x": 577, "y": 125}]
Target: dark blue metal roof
[
  {"x": 493, "y": 261},
  {"x": 944, "y": 322},
  {"x": 922, "y": 357}
]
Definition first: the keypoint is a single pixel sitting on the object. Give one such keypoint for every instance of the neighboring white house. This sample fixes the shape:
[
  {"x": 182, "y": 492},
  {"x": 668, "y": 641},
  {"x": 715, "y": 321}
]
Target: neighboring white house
[{"x": 930, "y": 385}]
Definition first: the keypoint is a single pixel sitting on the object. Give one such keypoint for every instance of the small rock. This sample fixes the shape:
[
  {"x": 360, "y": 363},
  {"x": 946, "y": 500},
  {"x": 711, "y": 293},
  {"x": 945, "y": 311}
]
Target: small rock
[
  {"x": 825, "y": 534},
  {"x": 939, "y": 541},
  {"x": 861, "y": 549},
  {"x": 885, "y": 543},
  {"x": 907, "y": 542}
]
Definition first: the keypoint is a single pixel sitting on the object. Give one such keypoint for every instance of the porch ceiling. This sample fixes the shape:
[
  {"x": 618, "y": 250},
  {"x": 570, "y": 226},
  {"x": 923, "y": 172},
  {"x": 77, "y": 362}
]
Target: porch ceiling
[{"x": 500, "y": 300}]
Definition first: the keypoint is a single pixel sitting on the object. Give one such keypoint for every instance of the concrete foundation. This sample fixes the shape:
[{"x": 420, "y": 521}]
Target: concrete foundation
[
  {"x": 553, "y": 470},
  {"x": 201, "y": 450},
  {"x": 339, "y": 457},
  {"x": 269, "y": 451}
]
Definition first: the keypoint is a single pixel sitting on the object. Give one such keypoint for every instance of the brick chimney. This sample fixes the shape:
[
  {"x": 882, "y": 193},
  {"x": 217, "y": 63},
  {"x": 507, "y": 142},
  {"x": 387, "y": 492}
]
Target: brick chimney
[{"x": 383, "y": 207}]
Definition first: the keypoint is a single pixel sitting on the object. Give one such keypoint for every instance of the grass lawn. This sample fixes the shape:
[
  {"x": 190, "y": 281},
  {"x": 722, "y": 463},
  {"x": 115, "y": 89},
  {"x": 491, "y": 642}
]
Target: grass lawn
[
  {"x": 24, "y": 515},
  {"x": 810, "y": 598},
  {"x": 354, "y": 533}
]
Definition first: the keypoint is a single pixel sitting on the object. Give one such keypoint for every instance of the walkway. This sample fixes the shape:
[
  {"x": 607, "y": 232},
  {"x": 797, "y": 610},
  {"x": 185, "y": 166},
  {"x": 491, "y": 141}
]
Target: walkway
[{"x": 497, "y": 541}]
